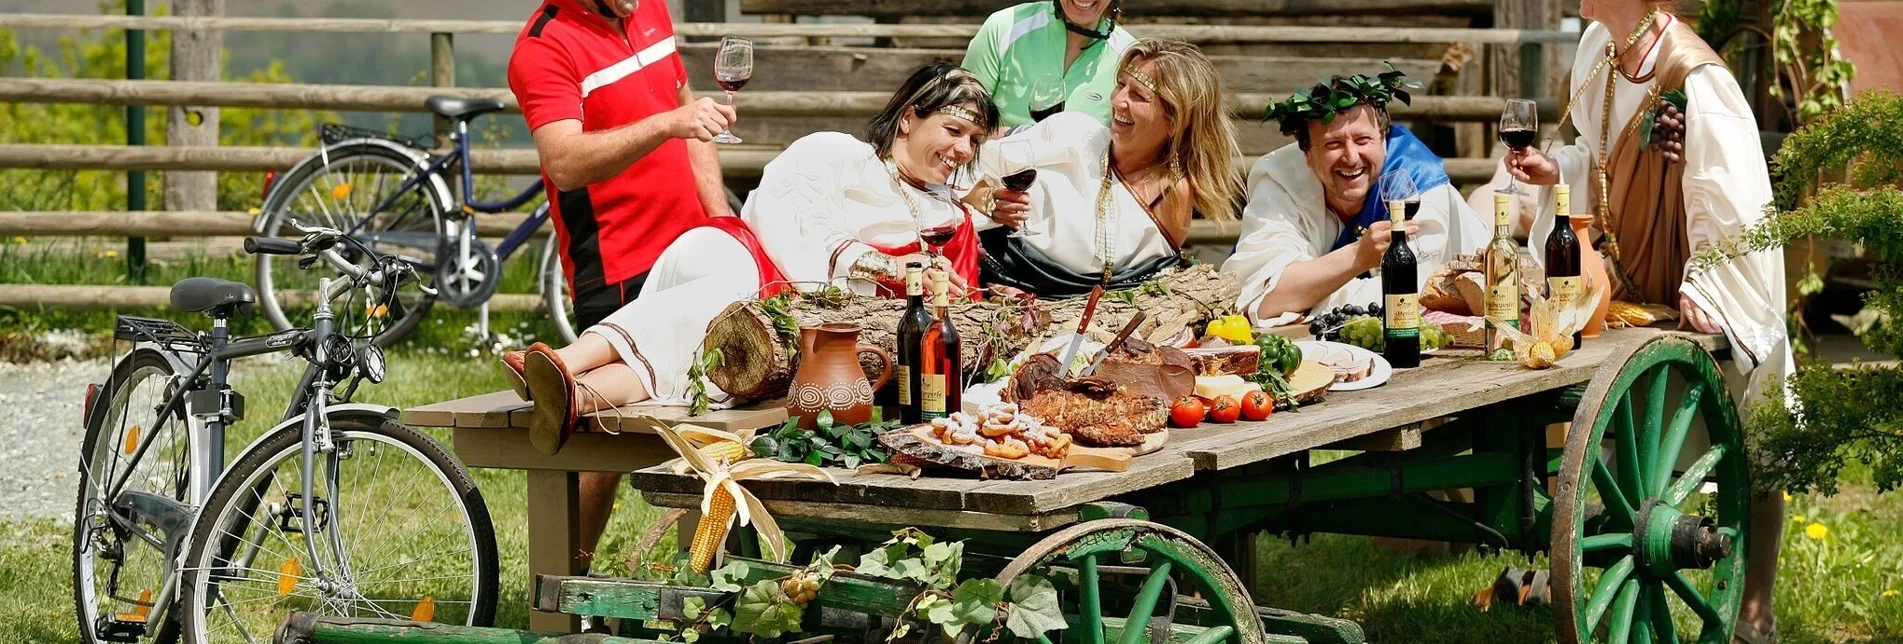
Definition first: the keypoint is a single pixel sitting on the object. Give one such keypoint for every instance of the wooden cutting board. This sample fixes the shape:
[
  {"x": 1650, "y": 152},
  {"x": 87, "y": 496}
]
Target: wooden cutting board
[
  {"x": 918, "y": 442},
  {"x": 1310, "y": 382}
]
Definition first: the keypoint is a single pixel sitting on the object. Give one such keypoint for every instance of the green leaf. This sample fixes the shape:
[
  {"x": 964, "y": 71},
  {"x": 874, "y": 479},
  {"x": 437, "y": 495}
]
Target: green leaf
[
  {"x": 728, "y": 578},
  {"x": 763, "y": 610},
  {"x": 1033, "y": 608},
  {"x": 693, "y": 606},
  {"x": 944, "y": 561},
  {"x": 764, "y": 445},
  {"x": 940, "y": 611},
  {"x": 904, "y": 628},
  {"x": 690, "y": 635},
  {"x": 911, "y": 569},
  {"x": 852, "y": 461},
  {"x": 976, "y": 601},
  {"x": 825, "y": 419},
  {"x": 815, "y": 458}
]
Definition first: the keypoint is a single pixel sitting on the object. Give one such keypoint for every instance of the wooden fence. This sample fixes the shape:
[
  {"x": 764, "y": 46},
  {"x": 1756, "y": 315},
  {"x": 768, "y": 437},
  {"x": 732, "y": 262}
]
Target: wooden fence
[{"x": 796, "y": 107}]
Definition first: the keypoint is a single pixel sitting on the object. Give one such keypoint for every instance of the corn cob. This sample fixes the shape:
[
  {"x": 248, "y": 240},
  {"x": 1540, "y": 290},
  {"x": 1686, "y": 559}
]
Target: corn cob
[
  {"x": 711, "y": 535},
  {"x": 725, "y": 452}
]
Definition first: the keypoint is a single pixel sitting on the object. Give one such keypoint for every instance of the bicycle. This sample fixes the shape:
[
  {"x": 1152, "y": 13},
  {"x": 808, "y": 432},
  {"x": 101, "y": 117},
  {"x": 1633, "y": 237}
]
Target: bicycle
[
  {"x": 418, "y": 215},
  {"x": 165, "y": 540}
]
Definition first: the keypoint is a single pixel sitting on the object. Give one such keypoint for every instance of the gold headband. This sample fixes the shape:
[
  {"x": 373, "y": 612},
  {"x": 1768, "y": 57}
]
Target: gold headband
[
  {"x": 1140, "y": 77},
  {"x": 960, "y": 111}
]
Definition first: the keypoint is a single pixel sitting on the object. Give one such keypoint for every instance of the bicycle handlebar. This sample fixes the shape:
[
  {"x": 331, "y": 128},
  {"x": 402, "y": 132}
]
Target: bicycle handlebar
[{"x": 271, "y": 246}]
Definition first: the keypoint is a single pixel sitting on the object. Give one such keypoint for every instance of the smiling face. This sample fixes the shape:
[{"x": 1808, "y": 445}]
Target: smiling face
[
  {"x": 1346, "y": 155},
  {"x": 1084, "y": 13},
  {"x": 932, "y": 148},
  {"x": 1138, "y": 118},
  {"x": 616, "y": 8}
]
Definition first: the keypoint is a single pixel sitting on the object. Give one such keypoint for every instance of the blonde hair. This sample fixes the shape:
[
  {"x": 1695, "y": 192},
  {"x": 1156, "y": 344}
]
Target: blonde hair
[{"x": 1202, "y": 143}]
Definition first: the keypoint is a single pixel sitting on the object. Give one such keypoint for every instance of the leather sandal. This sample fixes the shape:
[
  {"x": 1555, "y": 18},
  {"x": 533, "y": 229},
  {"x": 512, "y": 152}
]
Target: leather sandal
[
  {"x": 512, "y": 372},
  {"x": 553, "y": 387},
  {"x": 1748, "y": 633}
]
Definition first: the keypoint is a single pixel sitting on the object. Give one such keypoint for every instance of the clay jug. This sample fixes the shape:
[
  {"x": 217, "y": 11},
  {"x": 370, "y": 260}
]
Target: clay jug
[
  {"x": 1593, "y": 267},
  {"x": 829, "y": 377}
]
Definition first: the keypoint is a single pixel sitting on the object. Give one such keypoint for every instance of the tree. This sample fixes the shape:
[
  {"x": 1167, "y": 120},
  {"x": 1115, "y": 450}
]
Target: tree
[{"x": 1839, "y": 415}]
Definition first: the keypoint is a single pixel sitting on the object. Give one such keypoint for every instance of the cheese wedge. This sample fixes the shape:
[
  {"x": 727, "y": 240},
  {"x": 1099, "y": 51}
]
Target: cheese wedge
[{"x": 1227, "y": 385}]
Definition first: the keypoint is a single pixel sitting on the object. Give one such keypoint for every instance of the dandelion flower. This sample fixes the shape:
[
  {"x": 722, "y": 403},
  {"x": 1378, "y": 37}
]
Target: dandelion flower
[
  {"x": 1816, "y": 531},
  {"x": 112, "y": 254},
  {"x": 19, "y": 240},
  {"x": 1890, "y": 592},
  {"x": 1787, "y": 497},
  {"x": 1797, "y": 518}
]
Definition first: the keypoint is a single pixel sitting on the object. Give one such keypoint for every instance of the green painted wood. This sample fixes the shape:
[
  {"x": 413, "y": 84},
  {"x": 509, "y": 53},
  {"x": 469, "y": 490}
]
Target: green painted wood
[
  {"x": 1314, "y": 629},
  {"x": 1674, "y": 440},
  {"x": 1626, "y": 451},
  {"x": 1663, "y": 629},
  {"x": 1641, "y": 630},
  {"x": 1619, "y": 630},
  {"x": 1608, "y": 543},
  {"x": 845, "y": 591},
  {"x": 647, "y": 600},
  {"x": 1694, "y": 476},
  {"x": 1654, "y": 423},
  {"x": 1694, "y": 599},
  {"x": 1212, "y": 635},
  {"x": 1144, "y": 607},
  {"x": 1609, "y": 583},
  {"x": 1609, "y": 491},
  {"x": 306, "y": 627},
  {"x": 1090, "y": 595}
]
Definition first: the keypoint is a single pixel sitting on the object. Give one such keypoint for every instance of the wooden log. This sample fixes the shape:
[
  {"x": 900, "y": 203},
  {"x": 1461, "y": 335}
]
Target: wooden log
[
  {"x": 195, "y": 57},
  {"x": 897, "y": 8},
  {"x": 1192, "y": 33},
  {"x": 760, "y": 358}
]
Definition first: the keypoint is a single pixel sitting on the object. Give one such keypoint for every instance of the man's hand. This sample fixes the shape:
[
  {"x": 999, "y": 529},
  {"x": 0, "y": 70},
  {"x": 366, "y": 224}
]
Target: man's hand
[
  {"x": 1375, "y": 241},
  {"x": 1532, "y": 166},
  {"x": 1696, "y": 317},
  {"x": 1010, "y": 207},
  {"x": 700, "y": 120}
]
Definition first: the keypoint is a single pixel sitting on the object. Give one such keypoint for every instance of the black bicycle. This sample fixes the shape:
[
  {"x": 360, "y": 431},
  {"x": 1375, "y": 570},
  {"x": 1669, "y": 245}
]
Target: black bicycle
[{"x": 338, "y": 508}]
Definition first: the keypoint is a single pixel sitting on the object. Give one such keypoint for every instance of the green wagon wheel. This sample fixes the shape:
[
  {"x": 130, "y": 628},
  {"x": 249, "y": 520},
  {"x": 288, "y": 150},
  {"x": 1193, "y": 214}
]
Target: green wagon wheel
[
  {"x": 1090, "y": 554},
  {"x": 1669, "y": 561}
]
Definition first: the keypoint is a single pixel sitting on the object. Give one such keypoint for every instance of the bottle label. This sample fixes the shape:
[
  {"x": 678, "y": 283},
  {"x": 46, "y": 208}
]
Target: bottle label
[
  {"x": 932, "y": 394},
  {"x": 1403, "y": 313},
  {"x": 904, "y": 374},
  {"x": 1562, "y": 290},
  {"x": 1503, "y": 301}
]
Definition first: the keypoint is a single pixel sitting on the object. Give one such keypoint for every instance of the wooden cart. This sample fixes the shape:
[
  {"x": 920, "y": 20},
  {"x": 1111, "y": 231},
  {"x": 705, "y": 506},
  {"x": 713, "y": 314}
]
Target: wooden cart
[{"x": 1642, "y": 504}]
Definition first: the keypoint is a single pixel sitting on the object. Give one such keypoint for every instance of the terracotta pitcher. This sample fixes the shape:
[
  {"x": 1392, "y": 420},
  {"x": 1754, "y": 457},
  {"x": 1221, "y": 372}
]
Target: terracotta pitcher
[
  {"x": 1593, "y": 267},
  {"x": 829, "y": 376}
]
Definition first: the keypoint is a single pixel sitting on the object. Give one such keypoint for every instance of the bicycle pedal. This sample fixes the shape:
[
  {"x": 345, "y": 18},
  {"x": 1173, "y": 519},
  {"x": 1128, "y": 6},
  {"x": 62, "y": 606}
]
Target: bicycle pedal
[
  {"x": 295, "y": 510},
  {"x": 124, "y": 627}
]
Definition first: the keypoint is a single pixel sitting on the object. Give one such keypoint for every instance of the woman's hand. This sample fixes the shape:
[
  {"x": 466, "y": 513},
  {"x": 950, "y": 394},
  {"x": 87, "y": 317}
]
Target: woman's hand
[
  {"x": 939, "y": 265},
  {"x": 1010, "y": 208},
  {"x": 1696, "y": 317},
  {"x": 1532, "y": 166}
]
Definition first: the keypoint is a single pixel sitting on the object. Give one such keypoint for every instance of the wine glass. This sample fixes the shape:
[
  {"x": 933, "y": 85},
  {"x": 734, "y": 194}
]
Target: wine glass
[
  {"x": 1016, "y": 153},
  {"x": 1519, "y": 124},
  {"x": 1047, "y": 96},
  {"x": 936, "y": 238},
  {"x": 733, "y": 67}
]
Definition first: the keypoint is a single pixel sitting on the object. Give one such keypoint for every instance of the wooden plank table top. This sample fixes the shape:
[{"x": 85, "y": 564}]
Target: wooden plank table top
[
  {"x": 503, "y": 409},
  {"x": 1445, "y": 384}
]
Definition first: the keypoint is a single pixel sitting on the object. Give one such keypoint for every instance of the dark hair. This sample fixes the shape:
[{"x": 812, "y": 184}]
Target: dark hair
[
  {"x": 1380, "y": 120},
  {"x": 927, "y": 90}
]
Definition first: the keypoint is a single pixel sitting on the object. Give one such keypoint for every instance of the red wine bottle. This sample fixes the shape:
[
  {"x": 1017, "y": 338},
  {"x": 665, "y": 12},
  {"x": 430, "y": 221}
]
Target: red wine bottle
[
  {"x": 1562, "y": 256},
  {"x": 911, "y": 338},
  {"x": 1402, "y": 309},
  {"x": 941, "y": 386}
]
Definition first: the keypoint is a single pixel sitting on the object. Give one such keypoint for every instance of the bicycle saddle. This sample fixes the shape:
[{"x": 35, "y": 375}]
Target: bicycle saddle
[
  {"x": 462, "y": 109},
  {"x": 210, "y": 294}
]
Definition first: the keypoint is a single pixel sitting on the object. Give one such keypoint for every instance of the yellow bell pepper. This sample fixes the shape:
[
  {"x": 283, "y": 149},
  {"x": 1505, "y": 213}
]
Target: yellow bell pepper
[{"x": 1234, "y": 328}]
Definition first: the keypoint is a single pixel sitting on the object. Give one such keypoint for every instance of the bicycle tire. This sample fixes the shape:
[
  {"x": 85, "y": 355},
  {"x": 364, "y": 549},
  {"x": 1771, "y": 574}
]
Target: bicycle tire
[
  {"x": 85, "y": 610},
  {"x": 553, "y": 284},
  {"x": 285, "y": 444},
  {"x": 303, "y": 178}
]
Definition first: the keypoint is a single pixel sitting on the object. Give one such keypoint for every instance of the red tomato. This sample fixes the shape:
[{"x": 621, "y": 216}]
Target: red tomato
[
  {"x": 1225, "y": 409},
  {"x": 1187, "y": 412},
  {"x": 1257, "y": 405}
]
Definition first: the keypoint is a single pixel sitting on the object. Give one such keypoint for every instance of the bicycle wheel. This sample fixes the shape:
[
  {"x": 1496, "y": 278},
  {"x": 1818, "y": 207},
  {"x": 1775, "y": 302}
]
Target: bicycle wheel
[
  {"x": 553, "y": 284},
  {"x": 121, "y": 568},
  {"x": 344, "y": 193},
  {"x": 398, "y": 527}
]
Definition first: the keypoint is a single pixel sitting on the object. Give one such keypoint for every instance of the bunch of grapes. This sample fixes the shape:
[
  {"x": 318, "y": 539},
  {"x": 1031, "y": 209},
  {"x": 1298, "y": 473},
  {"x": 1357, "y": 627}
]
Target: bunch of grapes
[
  {"x": 1433, "y": 337},
  {"x": 1364, "y": 331},
  {"x": 1327, "y": 326},
  {"x": 800, "y": 588}
]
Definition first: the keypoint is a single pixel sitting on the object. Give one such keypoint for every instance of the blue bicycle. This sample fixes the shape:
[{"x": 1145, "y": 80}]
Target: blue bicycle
[{"x": 390, "y": 194}]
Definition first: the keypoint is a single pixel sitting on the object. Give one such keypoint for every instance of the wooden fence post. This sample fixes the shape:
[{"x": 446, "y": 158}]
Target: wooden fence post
[
  {"x": 195, "y": 55},
  {"x": 1523, "y": 71}
]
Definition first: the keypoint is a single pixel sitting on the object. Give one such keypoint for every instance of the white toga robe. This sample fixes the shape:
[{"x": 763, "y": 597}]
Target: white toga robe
[
  {"x": 1727, "y": 187},
  {"x": 1288, "y": 221},
  {"x": 1067, "y": 150},
  {"x": 821, "y": 204}
]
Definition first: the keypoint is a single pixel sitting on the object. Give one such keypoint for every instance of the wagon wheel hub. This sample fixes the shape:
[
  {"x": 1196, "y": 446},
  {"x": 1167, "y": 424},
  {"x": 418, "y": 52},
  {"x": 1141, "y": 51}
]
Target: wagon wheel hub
[{"x": 1669, "y": 540}]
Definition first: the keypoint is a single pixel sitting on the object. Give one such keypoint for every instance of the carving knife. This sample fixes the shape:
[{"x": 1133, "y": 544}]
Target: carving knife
[
  {"x": 1083, "y": 323},
  {"x": 1128, "y": 329}
]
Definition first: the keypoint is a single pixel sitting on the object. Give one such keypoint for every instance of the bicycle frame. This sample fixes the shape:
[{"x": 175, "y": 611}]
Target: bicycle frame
[{"x": 460, "y": 155}]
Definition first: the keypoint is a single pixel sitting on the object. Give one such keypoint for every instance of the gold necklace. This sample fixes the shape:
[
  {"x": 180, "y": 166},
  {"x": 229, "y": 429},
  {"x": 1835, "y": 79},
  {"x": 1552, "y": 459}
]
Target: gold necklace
[
  {"x": 1609, "y": 246},
  {"x": 898, "y": 184},
  {"x": 1106, "y": 240}
]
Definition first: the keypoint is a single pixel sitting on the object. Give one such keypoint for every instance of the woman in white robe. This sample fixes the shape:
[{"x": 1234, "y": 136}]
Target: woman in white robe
[
  {"x": 1664, "y": 212},
  {"x": 830, "y": 210},
  {"x": 1168, "y": 153}
]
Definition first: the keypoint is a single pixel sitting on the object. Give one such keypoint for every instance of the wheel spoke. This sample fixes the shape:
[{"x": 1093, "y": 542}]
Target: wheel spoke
[
  {"x": 1641, "y": 629},
  {"x": 1692, "y": 598},
  {"x": 1654, "y": 423},
  {"x": 1610, "y": 493},
  {"x": 1674, "y": 441},
  {"x": 1608, "y": 589},
  {"x": 1091, "y": 615},
  {"x": 1626, "y": 445},
  {"x": 1136, "y": 627},
  {"x": 1618, "y": 542},
  {"x": 1694, "y": 476},
  {"x": 1662, "y": 625},
  {"x": 1212, "y": 635},
  {"x": 1619, "y": 631}
]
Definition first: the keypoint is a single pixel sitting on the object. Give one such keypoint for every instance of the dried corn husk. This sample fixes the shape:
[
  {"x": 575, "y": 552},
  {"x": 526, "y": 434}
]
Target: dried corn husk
[
  {"x": 1624, "y": 314},
  {"x": 1549, "y": 328},
  {"x": 725, "y": 477}
]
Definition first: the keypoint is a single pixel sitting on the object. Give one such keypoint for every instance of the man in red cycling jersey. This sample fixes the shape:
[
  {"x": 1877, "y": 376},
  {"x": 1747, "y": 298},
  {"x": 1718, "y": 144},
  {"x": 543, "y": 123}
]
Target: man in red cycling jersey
[{"x": 626, "y": 156}]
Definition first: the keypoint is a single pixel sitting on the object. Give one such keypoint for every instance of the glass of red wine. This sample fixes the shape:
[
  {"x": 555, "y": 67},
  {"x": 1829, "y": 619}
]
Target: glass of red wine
[
  {"x": 733, "y": 67},
  {"x": 1519, "y": 124},
  {"x": 936, "y": 238},
  {"x": 1047, "y": 97},
  {"x": 1016, "y": 153}
]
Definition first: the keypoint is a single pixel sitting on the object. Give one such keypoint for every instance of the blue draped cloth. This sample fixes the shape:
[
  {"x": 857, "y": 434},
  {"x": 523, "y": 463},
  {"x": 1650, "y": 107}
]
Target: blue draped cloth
[{"x": 1406, "y": 155}]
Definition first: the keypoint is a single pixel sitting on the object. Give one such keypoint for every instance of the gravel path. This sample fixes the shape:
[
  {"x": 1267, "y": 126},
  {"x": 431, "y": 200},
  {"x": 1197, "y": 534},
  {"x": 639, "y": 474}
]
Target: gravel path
[{"x": 40, "y": 435}]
